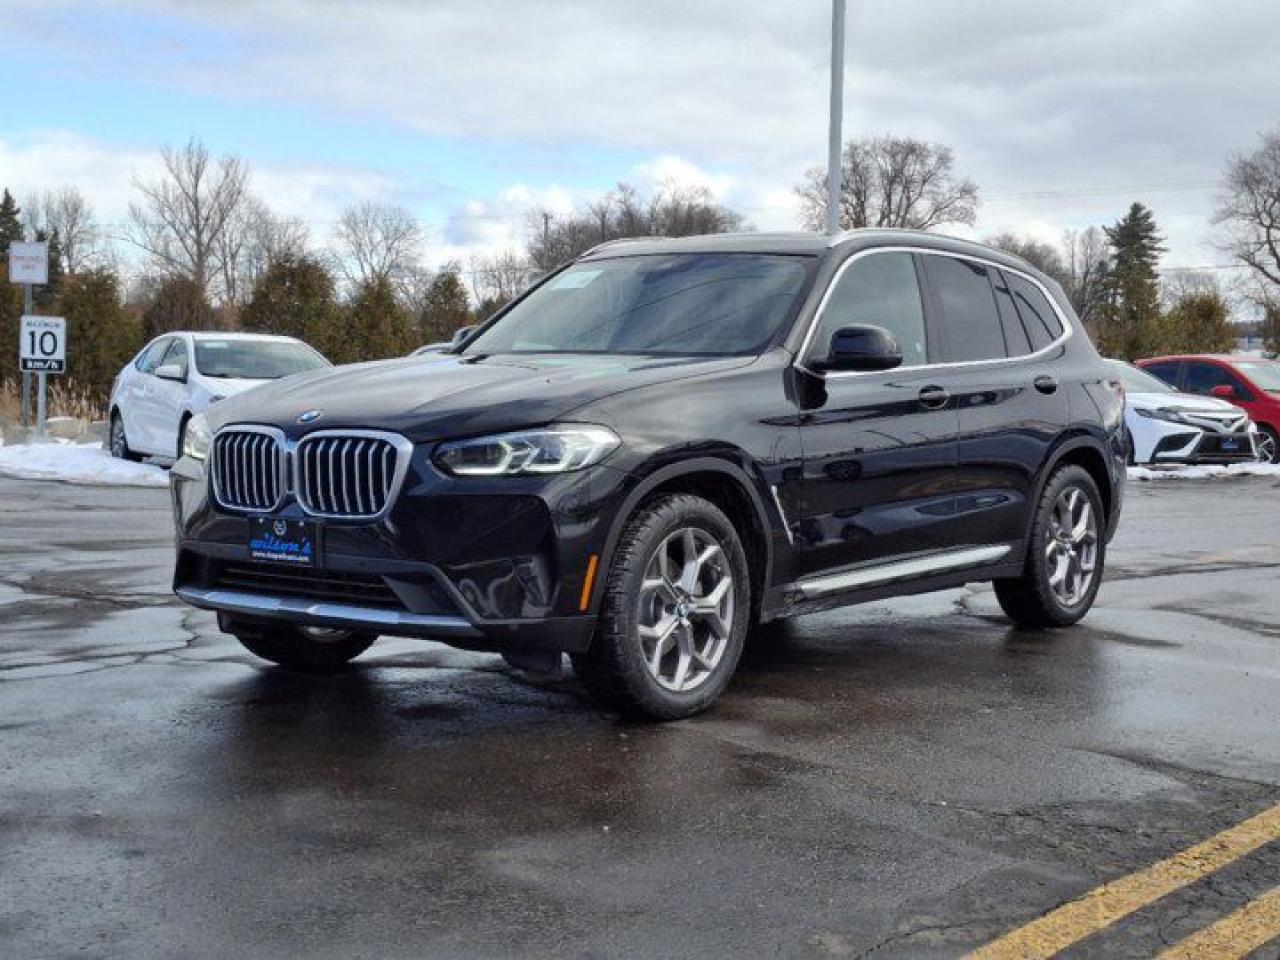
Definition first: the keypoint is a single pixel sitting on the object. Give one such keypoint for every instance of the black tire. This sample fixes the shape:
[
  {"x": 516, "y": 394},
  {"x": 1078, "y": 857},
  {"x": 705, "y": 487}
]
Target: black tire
[
  {"x": 182, "y": 437},
  {"x": 303, "y": 649},
  {"x": 615, "y": 670},
  {"x": 1130, "y": 456},
  {"x": 1031, "y": 600},
  {"x": 117, "y": 442},
  {"x": 1271, "y": 438}
]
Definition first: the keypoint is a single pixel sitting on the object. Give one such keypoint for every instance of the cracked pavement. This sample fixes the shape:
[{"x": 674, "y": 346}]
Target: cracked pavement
[{"x": 903, "y": 779}]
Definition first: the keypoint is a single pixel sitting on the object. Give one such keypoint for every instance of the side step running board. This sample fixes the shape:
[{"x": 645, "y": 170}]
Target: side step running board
[{"x": 901, "y": 570}]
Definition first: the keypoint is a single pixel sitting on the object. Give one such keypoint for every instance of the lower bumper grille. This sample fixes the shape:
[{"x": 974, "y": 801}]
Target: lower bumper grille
[{"x": 328, "y": 586}]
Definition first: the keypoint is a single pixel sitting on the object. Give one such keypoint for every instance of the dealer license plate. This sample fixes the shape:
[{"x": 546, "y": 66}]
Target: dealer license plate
[{"x": 283, "y": 541}]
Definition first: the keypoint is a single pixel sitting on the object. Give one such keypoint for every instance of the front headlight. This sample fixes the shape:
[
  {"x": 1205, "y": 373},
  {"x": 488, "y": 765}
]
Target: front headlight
[
  {"x": 529, "y": 452},
  {"x": 1160, "y": 413},
  {"x": 197, "y": 438}
]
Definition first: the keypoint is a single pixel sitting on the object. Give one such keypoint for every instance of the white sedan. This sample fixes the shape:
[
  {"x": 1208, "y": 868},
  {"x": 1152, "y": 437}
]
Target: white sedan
[
  {"x": 179, "y": 374},
  {"x": 1166, "y": 426}
]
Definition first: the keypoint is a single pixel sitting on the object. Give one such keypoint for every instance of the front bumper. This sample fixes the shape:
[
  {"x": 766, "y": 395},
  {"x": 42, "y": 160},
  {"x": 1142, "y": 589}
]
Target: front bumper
[
  {"x": 1202, "y": 446},
  {"x": 488, "y": 564}
]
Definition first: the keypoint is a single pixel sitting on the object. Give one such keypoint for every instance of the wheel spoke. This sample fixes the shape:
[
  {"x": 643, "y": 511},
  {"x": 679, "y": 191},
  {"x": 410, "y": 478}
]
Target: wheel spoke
[
  {"x": 682, "y": 671},
  {"x": 1084, "y": 526}
]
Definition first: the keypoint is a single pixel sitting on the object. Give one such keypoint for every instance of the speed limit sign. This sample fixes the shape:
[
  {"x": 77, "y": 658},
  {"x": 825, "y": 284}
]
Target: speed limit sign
[{"x": 43, "y": 345}]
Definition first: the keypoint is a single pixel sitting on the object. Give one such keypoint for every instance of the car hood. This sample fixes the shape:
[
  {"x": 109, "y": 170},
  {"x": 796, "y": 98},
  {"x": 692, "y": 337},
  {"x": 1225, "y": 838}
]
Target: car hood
[
  {"x": 457, "y": 396},
  {"x": 231, "y": 386},
  {"x": 1187, "y": 402}
]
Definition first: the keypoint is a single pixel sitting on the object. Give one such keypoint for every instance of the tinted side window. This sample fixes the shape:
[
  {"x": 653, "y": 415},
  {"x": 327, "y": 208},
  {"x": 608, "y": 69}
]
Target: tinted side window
[
  {"x": 1015, "y": 334},
  {"x": 150, "y": 358},
  {"x": 1168, "y": 371},
  {"x": 1203, "y": 377},
  {"x": 1038, "y": 316},
  {"x": 969, "y": 311},
  {"x": 880, "y": 289}
]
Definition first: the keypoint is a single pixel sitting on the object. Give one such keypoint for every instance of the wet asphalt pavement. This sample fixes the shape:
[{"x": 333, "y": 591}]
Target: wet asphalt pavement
[{"x": 910, "y": 778}]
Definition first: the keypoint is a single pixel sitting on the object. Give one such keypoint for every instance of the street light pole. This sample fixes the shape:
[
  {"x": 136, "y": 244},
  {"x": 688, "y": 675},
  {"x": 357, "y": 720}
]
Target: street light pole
[{"x": 837, "y": 112}]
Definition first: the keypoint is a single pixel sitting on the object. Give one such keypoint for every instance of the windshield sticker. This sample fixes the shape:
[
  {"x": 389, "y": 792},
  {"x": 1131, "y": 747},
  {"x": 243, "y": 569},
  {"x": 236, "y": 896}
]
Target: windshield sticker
[{"x": 574, "y": 280}]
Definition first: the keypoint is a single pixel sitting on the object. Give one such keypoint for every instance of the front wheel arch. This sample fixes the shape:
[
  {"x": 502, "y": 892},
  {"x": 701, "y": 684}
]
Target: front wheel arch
[{"x": 684, "y": 476}]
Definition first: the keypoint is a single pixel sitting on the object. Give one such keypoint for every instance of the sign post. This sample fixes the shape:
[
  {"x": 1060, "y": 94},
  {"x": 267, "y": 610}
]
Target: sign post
[
  {"x": 29, "y": 266},
  {"x": 43, "y": 350}
]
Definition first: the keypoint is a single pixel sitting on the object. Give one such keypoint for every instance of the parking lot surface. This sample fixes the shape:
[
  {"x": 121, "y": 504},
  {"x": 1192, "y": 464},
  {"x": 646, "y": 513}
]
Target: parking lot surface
[{"x": 913, "y": 778}]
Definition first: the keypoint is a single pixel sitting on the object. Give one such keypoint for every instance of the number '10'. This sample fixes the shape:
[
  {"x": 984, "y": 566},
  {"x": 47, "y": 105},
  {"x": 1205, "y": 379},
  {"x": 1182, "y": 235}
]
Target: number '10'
[{"x": 45, "y": 343}]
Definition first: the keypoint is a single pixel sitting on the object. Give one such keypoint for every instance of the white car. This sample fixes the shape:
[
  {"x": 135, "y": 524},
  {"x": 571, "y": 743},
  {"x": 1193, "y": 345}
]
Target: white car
[
  {"x": 1166, "y": 426},
  {"x": 179, "y": 374}
]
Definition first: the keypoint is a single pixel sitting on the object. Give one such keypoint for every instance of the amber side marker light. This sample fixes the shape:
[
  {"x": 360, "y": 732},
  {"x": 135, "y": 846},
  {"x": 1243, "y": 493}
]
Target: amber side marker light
[{"x": 587, "y": 583}]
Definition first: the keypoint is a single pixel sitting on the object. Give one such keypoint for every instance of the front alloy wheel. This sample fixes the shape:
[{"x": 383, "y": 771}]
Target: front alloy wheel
[
  {"x": 685, "y": 610},
  {"x": 673, "y": 618},
  {"x": 1268, "y": 446}
]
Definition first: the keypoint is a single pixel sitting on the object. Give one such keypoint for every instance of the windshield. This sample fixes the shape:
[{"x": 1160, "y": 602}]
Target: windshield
[
  {"x": 255, "y": 359},
  {"x": 1139, "y": 381},
  {"x": 1264, "y": 373},
  {"x": 711, "y": 304}
]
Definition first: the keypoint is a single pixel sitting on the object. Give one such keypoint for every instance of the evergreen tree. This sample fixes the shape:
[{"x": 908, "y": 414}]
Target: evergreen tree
[
  {"x": 1270, "y": 330},
  {"x": 10, "y": 320},
  {"x": 1129, "y": 325},
  {"x": 101, "y": 334},
  {"x": 377, "y": 326},
  {"x": 295, "y": 297},
  {"x": 178, "y": 303},
  {"x": 10, "y": 224},
  {"x": 46, "y": 297},
  {"x": 445, "y": 307},
  {"x": 1198, "y": 323}
]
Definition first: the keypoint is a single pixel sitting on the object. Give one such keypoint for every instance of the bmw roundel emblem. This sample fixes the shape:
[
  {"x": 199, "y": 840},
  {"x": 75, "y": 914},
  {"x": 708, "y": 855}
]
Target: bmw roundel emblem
[
  {"x": 311, "y": 416},
  {"x": 280, "y": 528}
]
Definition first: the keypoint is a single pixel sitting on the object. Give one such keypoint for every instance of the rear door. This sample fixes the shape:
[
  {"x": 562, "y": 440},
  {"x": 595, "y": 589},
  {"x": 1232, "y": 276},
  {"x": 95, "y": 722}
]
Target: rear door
[
  {"x": 1001, "y": 335},
  {"x": 880, "y": 450}
]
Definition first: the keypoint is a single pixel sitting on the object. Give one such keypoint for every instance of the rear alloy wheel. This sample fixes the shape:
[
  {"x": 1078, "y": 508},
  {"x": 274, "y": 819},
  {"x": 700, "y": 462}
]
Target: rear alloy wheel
[
  {"x": 1064, "y": 562},
  {"x": 117, "y": 442},
  {"x": 1268, "y": 445},
  {"x": 304, "y": 649},
  {"x": 674, "y": 616}
]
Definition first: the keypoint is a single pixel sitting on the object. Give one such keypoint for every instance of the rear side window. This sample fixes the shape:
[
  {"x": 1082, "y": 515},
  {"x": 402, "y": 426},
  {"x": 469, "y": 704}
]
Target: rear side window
[
  {"x": 969, "y": 313},
  {"x": 1016, "y": 339},
  {"x": 1038, "y": 316},
  {"x": 880, "y": 289},
  {"x": 1167, "y": 371}
]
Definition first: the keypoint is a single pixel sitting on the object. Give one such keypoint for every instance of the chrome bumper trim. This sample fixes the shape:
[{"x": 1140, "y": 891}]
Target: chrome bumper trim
[{"x": 321, "y": 614}]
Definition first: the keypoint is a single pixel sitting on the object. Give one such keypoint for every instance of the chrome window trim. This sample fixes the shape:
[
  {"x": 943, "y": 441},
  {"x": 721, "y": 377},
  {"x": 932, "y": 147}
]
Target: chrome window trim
[
  {"x": 815, "y": 321},
  {"x": 404, "y": 453},
  {"x": 288, "y": 467},
  {"x": 282, "y": 478}
]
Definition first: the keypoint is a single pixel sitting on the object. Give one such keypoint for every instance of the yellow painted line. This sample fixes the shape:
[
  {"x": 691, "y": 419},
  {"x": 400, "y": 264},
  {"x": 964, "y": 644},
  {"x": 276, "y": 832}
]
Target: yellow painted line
[
  {"x": 1235, "y": 935},
  {"x": 1100, "y": 908}
]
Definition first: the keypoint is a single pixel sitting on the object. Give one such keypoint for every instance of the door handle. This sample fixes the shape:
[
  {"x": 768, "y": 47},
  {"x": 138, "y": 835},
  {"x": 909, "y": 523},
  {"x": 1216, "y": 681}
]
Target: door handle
[
  {"x": 933, "y": 398},
  {"x": 1045, "y": 383}
]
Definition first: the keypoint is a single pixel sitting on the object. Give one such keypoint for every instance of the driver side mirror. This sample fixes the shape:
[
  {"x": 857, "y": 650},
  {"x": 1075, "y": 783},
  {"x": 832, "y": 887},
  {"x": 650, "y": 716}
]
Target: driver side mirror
[
  {"x": 171, "y": 371},
  {"x": 861, "y": 347},
  {"x": 1224, "y": 391}
]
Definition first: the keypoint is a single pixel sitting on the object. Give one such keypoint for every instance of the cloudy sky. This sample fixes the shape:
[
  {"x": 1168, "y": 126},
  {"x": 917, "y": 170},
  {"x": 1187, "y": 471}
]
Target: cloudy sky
[{"x": 468, "y": 111}]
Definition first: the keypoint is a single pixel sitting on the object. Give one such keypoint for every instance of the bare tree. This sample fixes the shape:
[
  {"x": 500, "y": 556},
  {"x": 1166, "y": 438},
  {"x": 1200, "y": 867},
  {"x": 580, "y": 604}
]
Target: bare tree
[
  {"x": 1249, "y": 211},
  {"x": 672, "y": 210},
  {"x": 254, "y": 239},
  {"x": 377, "y": 241},
  {"x": 892, "y": 182},
  {"x": 1043, "y": 256},
  {"x": 67, "y": 213},
  {"x": 1087, "y": 266},
  {"x": 499, "y": 278},
  {"x": 184, "y": 214}
]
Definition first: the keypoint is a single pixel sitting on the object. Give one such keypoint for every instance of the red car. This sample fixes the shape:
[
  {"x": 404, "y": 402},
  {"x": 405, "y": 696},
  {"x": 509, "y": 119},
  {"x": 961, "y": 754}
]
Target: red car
[{"x": 1245, "y": 381}]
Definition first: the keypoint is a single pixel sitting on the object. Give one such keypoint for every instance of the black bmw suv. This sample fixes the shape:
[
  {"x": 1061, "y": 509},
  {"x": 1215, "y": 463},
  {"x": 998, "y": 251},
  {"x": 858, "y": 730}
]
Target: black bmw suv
[{"x": 661, "y": 445}]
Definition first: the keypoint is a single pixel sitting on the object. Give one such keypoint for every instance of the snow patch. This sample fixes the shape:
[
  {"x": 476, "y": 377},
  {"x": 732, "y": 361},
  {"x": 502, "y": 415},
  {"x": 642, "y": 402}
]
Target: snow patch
[
  {"x": 69, "y": 462},
  {"x": 1204, "y": 471}
]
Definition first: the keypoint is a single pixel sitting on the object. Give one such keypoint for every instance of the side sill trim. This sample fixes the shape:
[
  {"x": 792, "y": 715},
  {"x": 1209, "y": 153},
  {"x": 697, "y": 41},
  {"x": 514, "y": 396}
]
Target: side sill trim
[
  {"x": 902, "y": 570},
  {"x": 324, "y": 614}
]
